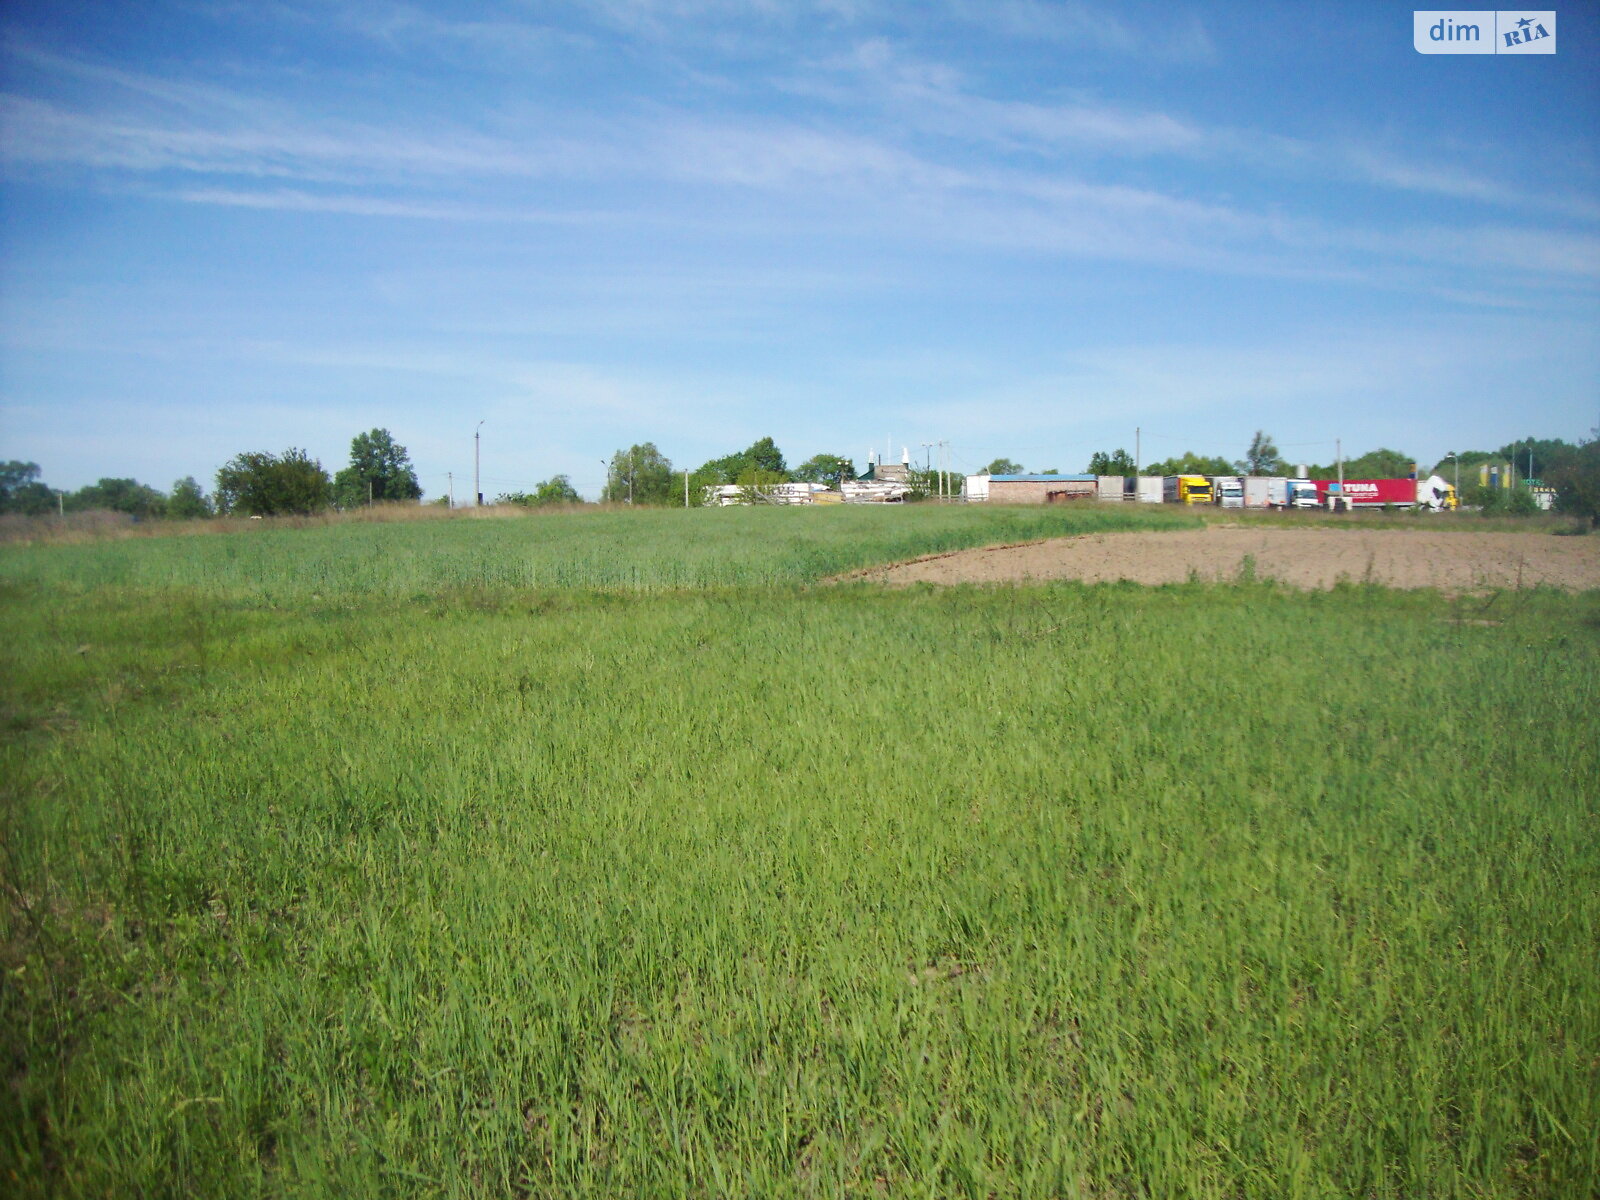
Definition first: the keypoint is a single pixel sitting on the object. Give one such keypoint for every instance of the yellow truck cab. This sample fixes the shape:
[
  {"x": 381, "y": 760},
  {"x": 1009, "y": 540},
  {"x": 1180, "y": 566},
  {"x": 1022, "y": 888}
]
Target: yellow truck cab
[{"x": 1186, "y": 489}]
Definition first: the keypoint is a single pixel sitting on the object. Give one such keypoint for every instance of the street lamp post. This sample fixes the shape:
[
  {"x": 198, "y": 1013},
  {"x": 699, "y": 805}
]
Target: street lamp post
[{"x": 477, "y": 460}]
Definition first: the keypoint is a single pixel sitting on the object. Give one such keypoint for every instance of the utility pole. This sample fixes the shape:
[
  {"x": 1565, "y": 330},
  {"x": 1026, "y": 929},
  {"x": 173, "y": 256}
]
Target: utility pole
[
  {"x": 477, "y": 482},
  {"x": 686, "y": 487},
  {"x": 369, "y": 495},
  {"x": 630, "y": 477},
  {"x": 451, "y": 476}
]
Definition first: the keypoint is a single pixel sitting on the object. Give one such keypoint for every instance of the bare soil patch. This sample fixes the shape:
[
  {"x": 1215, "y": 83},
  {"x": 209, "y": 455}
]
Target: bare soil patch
[{"x": 1309, "y": 558}]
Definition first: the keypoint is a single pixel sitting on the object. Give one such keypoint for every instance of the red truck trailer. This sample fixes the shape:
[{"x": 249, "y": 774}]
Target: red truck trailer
[{"x": 1432, "y": 493}]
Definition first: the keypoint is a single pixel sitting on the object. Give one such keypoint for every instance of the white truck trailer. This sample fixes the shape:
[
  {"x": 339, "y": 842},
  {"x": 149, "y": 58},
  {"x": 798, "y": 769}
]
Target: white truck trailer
[{"x": 1149, "y": 489}]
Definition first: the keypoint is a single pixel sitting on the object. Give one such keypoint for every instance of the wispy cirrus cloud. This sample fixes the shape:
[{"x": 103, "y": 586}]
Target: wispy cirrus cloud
[
  {"x": 815, "y": 173},
  {"x": 936, "y": 99},
  {"x": 1175, "y": 37}
]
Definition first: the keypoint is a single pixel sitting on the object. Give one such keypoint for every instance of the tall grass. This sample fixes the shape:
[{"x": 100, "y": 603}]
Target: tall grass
[
  {"x": 639, "y": 550},
  {"x": 761, "y": 890}
]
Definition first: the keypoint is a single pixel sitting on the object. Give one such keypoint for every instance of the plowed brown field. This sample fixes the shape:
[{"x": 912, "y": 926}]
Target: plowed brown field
[{"x": 1311, "y": 558}]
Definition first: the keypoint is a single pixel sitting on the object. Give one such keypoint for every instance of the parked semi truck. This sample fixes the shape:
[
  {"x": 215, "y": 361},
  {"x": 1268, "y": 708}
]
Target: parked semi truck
[
  {"x": 1432, "y": 493},
  {"x": 1186, "y": 489},
  {"x": 1228, "y": 491}
]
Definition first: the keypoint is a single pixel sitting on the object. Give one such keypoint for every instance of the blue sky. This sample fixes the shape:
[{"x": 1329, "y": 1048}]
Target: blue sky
[{"x": 1021, "y": 227}]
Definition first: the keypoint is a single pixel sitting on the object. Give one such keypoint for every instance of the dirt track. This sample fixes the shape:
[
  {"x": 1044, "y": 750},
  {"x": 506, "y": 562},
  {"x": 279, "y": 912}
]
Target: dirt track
[{"x": 1311, "y": 558}]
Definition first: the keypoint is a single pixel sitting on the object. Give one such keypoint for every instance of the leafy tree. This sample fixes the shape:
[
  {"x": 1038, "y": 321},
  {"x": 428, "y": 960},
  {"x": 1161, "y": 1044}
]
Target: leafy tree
[
  {"x": 1577, "y": 480},
  {"x": 118, "y": 495},
  {"x": 188, "y": 500},
  {"x": 1445, "y": 468},
  {"x": 21, "y": 491},
  {"x": 1190, "y": 463},
  {"x": 1375, "y": 464},
  {"x": 1548, "y": 454},
  {"x": 924, "y": 484},
  {"x": 1514, "y": 501},
  {"x": 13, "y": 475},
  {"x": 379, "y": 470},
  {"x": 825, "y": 468},
  {"x": 763, "y": 455},
  {"x": 1003, "y": 466},
  {"x": 646, "y": 469},
  {"x": 754, "y": 481},
  {"x": 1118, "y": 462},
  {"x": 1262, "y": 458},
  {"x": 700, "y": 479},
  {"x": 258, "y": 484},
  {"x": 1380, "y": 464},
  {"x": 557, "y": 489}
]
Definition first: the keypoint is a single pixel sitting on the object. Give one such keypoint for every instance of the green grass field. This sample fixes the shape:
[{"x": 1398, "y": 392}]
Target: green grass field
[{"x": 606, "y": 856}]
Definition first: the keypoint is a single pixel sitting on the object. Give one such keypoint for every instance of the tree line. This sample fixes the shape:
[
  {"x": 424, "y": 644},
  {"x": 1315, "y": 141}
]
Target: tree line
[
  {"x": 641, "y": 474},
  {"x": 252, "y": 484},
  {"x": 262, "y": 484}
]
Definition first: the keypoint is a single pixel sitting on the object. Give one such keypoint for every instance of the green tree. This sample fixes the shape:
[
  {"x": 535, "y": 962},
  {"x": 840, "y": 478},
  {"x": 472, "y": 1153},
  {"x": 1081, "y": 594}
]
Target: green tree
[
  {"x": 1190, "y": 463},
  {"x": 1446, "y": 467},
  {"x": 1118, "y": 462},
  {"x": 257, "y": 484},
  {"x": 763, "y": 455},
  {"x": 1548, "y": 454},
  {"x": 1003, "y": 466},
  {"x": 188, "y": 500},
  {"x": 380, "y": 470},
  {"x": 1262, "y": 458},
  {"x": 640, "y": 473},
  {"x": 925, "y": 484},
  {"x": 556, "y": 490},
  {"x": 118, "y": 495},
  {"x": 825, "y": 468},
  {"x": 754, "y": 484},
  {"x": 1380, "y": 464},
  {"x": 1577, "y": 480},
  {"x": 1514, "y": 501},
  {"x": 21, "y": 492}
]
